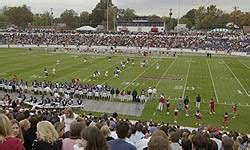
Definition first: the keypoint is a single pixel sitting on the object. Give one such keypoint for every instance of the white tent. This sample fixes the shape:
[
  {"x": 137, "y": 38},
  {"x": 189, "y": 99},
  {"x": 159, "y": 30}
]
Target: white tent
[
  {"x": 86, "y": 28},
  {"x": 219, "y": 30}
]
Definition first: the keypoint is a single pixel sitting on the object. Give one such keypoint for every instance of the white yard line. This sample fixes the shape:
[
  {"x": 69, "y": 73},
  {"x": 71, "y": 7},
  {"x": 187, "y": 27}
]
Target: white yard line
[
  {"x": 139, "y": 75},
  {"x": 215, "y": 93},
  {"x": 184, "y": 88},
  {"x": 165, "y": 72},
  {"x": 236, "y": 79},
  {"x": 245, "y": 65}
]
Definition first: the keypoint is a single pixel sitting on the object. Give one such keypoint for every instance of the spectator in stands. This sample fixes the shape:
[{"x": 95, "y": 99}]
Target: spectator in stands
[
  {"x": 47, "y": 137},
  {"x": 138, "y": 134},
  {"x": 106, "y": 133},
  {"x": 212, "y": 145},
  {"x": 67, "y": 119},
  {"x": 59, "y": 126},
  {"x": 159, "y": 141},
  {"x": 25, "y": 126},
  {"x": 186, "y": 144},
  {"x": 227, "y": 143},
  {"x": 175, "y": 143},
  {"x": 92, "y": 139},
  {"x": 200, "y": 141},
  {"x": 17, "y": 131},
  {"x": 122, "y": 130},
  {"x": 7, "y": 141},
  {"x": 74, "y": 135}
]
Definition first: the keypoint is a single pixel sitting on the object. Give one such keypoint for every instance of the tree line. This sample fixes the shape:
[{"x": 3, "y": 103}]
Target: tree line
[{"x": 202, "y": 18}]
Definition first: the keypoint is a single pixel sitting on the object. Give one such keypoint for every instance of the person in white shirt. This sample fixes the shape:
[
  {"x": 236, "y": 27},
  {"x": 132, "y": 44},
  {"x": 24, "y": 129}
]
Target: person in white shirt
[
  {"x": 68, "y": 117},
  {"x": 138, "y": 134},
  {"x": 154, "y": 92},
  {"x": 150, "y": 92}
]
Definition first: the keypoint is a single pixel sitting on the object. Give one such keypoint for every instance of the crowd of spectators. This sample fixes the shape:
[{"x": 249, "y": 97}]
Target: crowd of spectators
[
  {"x": 233, "y": 41},
  {"x": 64, "y": 130}
]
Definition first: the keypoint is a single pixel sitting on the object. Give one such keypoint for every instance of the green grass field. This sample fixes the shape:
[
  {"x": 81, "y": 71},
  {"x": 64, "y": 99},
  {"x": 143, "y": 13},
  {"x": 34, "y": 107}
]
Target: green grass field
[{"x": 227, "y": 79}]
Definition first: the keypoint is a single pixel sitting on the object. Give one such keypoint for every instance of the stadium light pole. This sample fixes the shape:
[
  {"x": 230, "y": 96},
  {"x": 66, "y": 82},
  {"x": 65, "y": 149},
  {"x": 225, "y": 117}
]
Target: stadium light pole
[
  {"x": 114, "y": 10},
  {"x": 51, "y": 16},
  {"x": 107, "y": 15},
  {"x": 170, "y": 16},
  {"x": 178, "y": 21}
]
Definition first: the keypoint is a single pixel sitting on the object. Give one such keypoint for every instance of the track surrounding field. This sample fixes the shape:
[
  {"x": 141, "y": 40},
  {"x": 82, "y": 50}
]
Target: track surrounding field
[{"x": 227, "y": 79}]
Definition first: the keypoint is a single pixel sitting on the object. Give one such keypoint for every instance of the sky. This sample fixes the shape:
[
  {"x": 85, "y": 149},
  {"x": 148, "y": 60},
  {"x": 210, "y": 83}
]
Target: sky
[{"x": 142, "y": 7}]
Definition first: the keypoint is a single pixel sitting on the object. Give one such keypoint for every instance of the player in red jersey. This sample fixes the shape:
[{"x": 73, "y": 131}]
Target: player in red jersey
[
  {"x": 211, "y": 105},
  {"x": 198, "y": 117},
  {"x": 234, "y": 109},
  {"x": 225, "y": 120},
  {"x": 161, "y": 102},
  {"x": 167, "y": 105}
]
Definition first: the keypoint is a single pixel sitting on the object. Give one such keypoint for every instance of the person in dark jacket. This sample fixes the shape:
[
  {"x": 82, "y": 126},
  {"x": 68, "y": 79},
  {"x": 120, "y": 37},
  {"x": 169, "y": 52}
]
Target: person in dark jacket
[{"x": 47, "y": 137}]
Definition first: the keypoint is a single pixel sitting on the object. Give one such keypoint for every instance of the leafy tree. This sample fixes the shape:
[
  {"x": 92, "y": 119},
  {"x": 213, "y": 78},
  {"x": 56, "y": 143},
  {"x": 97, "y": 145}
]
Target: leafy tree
[
  {"x": 189, "y": 18},
  {"x": 19, "y": 16},
  {"x": 70, "y": 18},
  {"x": 169, "y": 22},
  {"x": 98, "y": 13},
  {"x": 84, "y": 18},
  {"x": 3, "y": 19},
  {"x": 126, "y": 13},
  {"x": 41, "y": 19}
]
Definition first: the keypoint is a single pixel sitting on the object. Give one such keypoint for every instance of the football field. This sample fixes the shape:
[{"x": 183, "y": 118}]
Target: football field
[{"x": 225, "y": 78}]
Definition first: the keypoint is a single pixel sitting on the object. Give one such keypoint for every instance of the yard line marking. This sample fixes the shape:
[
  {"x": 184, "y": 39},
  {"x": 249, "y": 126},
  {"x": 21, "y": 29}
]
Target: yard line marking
[
  {"x": 212, "y": 82},
  {"x": 239, "y": 92},
  {"x": 165, "y": 72},
  {"x": 184, "y": 89},
  {"x": 236, "y": 79},
  {"x": 245, "y": 65},
  {"x": 139, "y": 75}
]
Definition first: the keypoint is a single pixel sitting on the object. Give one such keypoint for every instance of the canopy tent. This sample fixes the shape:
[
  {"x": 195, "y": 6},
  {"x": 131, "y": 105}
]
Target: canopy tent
[
  {"x": 86, "y": 28},
  {"x": 219, "y": 30}
]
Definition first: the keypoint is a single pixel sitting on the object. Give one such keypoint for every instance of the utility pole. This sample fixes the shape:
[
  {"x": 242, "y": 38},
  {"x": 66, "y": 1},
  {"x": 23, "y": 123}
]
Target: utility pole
[
  {"x": 114, "y": 10},
  {"x": 170, "y": 15},
  {"x": 235, "y": 17},
  {"x": 51, "y": 16},
  {"x": 107, "y": 15},
  {"x": 178, "y": 21}
]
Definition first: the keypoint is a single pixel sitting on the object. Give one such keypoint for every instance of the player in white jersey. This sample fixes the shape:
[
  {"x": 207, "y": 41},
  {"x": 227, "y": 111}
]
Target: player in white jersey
[
  {"x": 54, "y": 71},
  {"x": 157, "y": 66}
]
